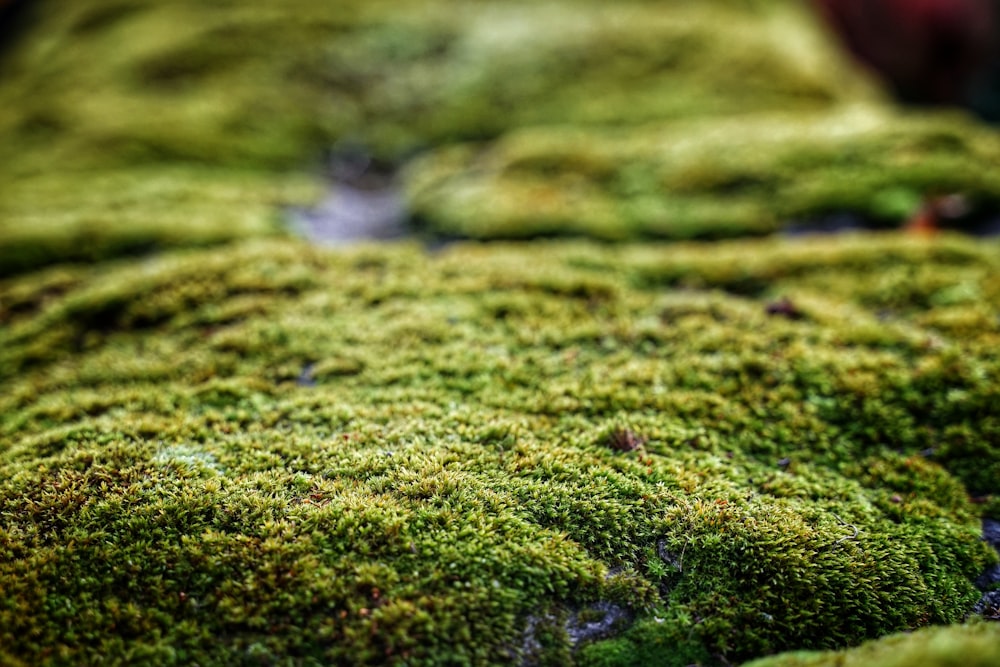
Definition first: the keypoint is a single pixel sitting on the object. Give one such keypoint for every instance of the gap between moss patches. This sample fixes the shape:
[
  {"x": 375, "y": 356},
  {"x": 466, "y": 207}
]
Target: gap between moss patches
[{"x": 364, "y": 202}]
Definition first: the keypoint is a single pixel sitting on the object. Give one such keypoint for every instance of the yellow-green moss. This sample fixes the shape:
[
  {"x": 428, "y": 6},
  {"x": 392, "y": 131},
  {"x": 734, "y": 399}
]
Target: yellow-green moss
[
  {"x": 639, "y": 119},
  {"x": 267, "y": 453},
  {"x": 707, "y": 178},
  {"x": 268, "y": 84},
  {"x": 273, "y": 453},
  {"x": 91, "y": 216},
  {"x": 973, "y": 646}
]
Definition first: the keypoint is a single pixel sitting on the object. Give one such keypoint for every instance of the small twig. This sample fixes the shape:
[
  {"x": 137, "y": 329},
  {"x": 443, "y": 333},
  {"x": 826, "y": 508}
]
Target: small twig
[
  {"x": 849, "y": 525},
  {"x": 695, "y": 625}
]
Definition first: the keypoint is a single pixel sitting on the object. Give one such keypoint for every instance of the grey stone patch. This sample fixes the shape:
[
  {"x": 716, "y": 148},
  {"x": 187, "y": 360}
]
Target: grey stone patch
[
  {"x": 989, "y": 578},
  {"x": 190, "y": 457},
  {"x": 600, "y": 620},
  {"x": 988, "y": 606},
  {"x": 991, "y": 532},
  {"x": 674, "y": 572},
  {"x": 674, "y": 560},
  {"x": 530, "y": 646},
  {"x": 350, "y": 213},
  {"x": 305, "y": 378},
  {"x": 991, "y": 535}
]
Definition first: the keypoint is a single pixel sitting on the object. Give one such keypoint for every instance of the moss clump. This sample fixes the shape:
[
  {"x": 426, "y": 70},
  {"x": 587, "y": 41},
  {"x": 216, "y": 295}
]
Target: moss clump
[
  {"x": 552, "y": 453},
  {"x": 574, "y": 117},
  {"x": 275, "y": 83},
  {"x": 707, "y": 178},
  {"x": 975, "y": 645},
  {"x": 88, "y": 217},
  {"x": 272, "y": 453}
]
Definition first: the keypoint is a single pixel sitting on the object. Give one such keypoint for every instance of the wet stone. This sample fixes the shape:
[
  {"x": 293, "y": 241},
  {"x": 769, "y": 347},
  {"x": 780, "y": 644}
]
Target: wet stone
[
  {"x": 364, "y": 201},
  {"x": 989, "y": 578},
  {"x": 349, "y": 213},
  {"x": 305, "y": 378},
  {"x": 598, "y": 621}
]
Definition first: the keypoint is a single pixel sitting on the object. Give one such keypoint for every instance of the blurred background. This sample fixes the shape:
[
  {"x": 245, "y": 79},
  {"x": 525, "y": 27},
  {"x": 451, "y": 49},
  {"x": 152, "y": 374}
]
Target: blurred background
[{"x": 132, "y": 125}]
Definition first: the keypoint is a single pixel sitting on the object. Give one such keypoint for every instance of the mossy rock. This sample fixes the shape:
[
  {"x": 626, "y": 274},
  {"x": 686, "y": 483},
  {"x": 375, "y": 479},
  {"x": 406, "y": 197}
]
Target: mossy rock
[
  {"x": 706, "y": 178},
  {"x": 270, "y": 453},
  {"x": 266, "y": 86},
  {"x": 112, "y": 213},
  {"x": 974, "y": 646},
  {"x": 130, "y": 125}
]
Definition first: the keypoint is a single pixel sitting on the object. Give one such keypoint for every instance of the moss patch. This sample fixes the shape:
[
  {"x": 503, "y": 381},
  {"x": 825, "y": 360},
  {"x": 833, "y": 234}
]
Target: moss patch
[
  {"x": 272, "y": 453},
  {"x": 553, "y": 453},
  {"x": 572, "y": 117}
]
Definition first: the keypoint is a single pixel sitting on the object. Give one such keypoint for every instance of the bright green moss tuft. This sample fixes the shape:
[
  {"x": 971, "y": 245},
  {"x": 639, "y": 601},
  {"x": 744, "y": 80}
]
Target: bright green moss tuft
[
  {"x": 85, "y": 217},
  {"x": 705, "y": 178},
  {"x": 271, "y": 452},
  {"x": 554, "y": 453}
]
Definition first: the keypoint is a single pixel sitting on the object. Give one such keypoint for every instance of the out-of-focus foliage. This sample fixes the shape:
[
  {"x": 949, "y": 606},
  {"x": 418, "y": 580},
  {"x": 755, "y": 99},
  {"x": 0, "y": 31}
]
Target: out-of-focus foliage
[
  {"x": 972, "y": 646},
  {"x": 132, "y": 124}
]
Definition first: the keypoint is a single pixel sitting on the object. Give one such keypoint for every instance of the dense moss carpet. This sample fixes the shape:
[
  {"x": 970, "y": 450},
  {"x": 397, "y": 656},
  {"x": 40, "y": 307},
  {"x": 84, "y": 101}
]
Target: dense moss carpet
[
  {"x": 132, "y": 125},
  {"x": 551, "y": 452}
]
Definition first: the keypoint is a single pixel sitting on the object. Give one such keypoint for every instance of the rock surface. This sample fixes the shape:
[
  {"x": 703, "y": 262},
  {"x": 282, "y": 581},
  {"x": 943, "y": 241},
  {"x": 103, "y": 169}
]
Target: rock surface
[
  {"x": 548, "y": 452},
  {"x": 127, "y": 126}
]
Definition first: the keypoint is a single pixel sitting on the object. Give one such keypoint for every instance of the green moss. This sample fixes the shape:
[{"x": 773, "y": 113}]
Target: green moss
[
  {"x": 92, "y": 216},
  {"x": 707, "y": 178},
  {"x": 973, "y": 645},
  {"x": 275, "y": 453},
  {"x": 666, "y": 119},
  {"x": 271, "y": 453}
]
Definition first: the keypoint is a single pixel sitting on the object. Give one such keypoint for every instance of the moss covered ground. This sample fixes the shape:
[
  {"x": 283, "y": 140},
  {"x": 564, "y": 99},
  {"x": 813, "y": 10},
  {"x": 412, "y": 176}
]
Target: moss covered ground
[
  {"x": 553, "y": 452},
  {"x": 223, "y": 445}
]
